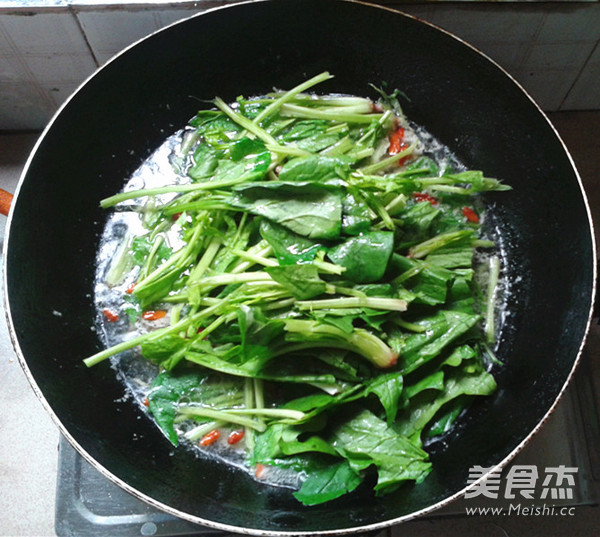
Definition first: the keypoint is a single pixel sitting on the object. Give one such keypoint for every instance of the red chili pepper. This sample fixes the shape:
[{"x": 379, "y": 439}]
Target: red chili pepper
[
  {"x": 145, "y": 401},
  {"x": 210, "y": 438},
  {"x": 234, "y": 437},
  {"x": 110, "y": 315},
  {"x": 260, "y": 471},
  {"x": 423, "y": 196},
  {"x": 470, "y": 215},
  {"x": 396, "y": 140},
  {"x": 152, "y": 315},
  {"x": 397, "y": 145},
  {"x": 130, "y": 289}
]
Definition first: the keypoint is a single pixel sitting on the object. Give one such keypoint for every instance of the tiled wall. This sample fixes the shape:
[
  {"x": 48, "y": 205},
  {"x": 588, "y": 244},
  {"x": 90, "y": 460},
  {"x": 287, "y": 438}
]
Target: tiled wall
[{"x": 553, "y": 49}]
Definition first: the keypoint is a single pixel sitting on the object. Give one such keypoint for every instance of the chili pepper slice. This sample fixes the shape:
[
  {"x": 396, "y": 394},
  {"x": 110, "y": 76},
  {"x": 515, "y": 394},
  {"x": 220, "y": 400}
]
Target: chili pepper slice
[
  {"x": 423, "y": 196},
  {"x": 153, "y": 315},
  {"x": 470, "y": 215},
  {"x": 110, "y": 315},
  {"x": 234, "y": 437},
  {"x": 260, "y": 471},
  {"x": 130, "y": 289},
  {"x": 396, "y": 141},
  {"x": 210, "y": 438}
]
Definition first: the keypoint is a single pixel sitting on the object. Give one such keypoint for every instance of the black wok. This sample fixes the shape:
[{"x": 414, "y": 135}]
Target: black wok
[{"x": 123, "y": 112}]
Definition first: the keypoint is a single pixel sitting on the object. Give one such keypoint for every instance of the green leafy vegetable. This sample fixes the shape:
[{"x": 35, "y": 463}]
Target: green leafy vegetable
[
  {"x": 315, "y": 272},
  {"x": 364, "y": 257},
  {"x": 309, "y": 209}
]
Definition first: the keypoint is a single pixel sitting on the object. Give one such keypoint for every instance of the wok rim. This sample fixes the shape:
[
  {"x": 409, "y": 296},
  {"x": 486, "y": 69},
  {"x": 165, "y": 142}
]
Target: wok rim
[{"x": 378, "y": 526}]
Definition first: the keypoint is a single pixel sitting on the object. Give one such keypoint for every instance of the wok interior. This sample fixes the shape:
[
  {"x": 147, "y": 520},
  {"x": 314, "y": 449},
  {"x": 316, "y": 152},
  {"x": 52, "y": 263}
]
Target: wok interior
[{"x": 128, "y": 108}]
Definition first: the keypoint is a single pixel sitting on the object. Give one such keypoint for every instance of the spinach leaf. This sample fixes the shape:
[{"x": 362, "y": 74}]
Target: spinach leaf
[
  {"x": 311, "y": 135},
  {"x": 257, "y": 331},
  {"x": 165, "y": 393},
  {"x": 328, "y": 482},
  {"x": 365, "y": 257},
  {"x": 311, "y": 210},
  {"x": 388, "y": 388},
  {"x": 356, "y": 215},
  {"x": 289, "y": 247},
  {"x": 316, "y": 169},
  {"x": 302, "y": 281},
  {"x": 441, "y": 424},
  {"x": 248, "y": 147},
  {"x": 429, "y": 283},
  {"x": 477, "y": 182},
  {"x": 420, "y": 413},
  {"x": 440, "y": 330},
  {"x": 214, "y": 127},
  {"x": 459, "y": 255},
  {"x": 206, "y": 160},
  {"x": 365, "y": 440},
  {"x": 435, "y": 381},
  {"x": 417, "y": 222},
  {"x": 166, "y": 351}
]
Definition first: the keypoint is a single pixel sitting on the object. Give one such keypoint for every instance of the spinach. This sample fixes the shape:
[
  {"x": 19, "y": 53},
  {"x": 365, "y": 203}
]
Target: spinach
[
  {"x": 164, "y": 395},
  {"x": 289, "y": 247},
  {"x": 364, "y": 257},
  {"x": 356, "y": 215},
  {"x": 308, "y": 209},
  {"x": 439, "y": 331},
  {"x": 316, "y": 169},
  {"x": 321, "y": 288},
  {"x": 302, "y": 281},
  {"x": 311, "y": 135},
  {"x": 388, "y": 388},
  {"x": 366, "y": 440},
  {"x": 327, "y": 483},
  {"x": 422, "y": 411}
]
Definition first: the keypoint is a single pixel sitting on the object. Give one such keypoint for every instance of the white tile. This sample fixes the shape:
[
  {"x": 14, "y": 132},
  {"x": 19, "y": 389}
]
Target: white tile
[
  {"x": 109, "y": 32},
  {"x": 580, "y": 22},
  {"x": 169, "y": 16},
  {"x": 558, "y": 56},
  {"x": 24, "y": 106},
  {"x": 59, "y": 92},
  {"x": 43, "y": 32},
  {"x": 6, "y": 47},
  {"x": 12, "y": 69},
  {"x": 547, "y": 88},
  {"x": 484, "y": 24},
  {"x": 510, "y": 56},
  {"x": 53, "y": 67},
  {"x": 585, "y": 93}
]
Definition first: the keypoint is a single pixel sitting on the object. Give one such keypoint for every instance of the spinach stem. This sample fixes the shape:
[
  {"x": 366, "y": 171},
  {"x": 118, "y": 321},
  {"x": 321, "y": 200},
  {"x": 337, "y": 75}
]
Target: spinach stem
[
  {"x": 390, "y": 161},
  {"x": 198, "y": 432},
  {"x": 293, "y": 110},
  {"x": 391, "y": 304},
  {"x": 222, "y": 415},
  {"x": 289, "y": 95},
  {"x": 493, "y": 278}
]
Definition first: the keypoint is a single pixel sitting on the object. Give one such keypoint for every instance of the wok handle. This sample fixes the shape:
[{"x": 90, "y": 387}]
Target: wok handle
[{"x": 5, "y": 201}]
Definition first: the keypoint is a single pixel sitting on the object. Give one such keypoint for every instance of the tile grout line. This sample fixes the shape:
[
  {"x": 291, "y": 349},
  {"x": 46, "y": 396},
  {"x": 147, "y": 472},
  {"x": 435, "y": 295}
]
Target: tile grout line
[
  {"x": 582, "y": 69},
  {"x": 75, "y": 13},
  {"x": 19, "y": 56}
]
